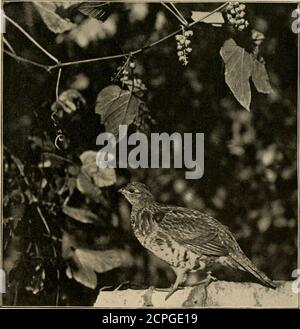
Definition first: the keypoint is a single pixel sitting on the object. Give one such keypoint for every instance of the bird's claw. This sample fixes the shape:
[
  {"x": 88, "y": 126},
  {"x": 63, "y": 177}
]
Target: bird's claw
[
  {"x": 172, "y": 290},
  {"x": 209, "y": 279}
]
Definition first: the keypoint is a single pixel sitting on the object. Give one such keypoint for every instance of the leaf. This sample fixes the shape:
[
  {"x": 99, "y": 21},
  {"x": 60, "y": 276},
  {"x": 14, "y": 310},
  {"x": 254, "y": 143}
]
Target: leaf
[
  {"x": 53, "y": 159},
  {"x": 70, "y": 101},
  {"x": 240, "y": 66},
  {"x": 101, "y": 261},
  {"x": 81, "y": 215},
  {"x": 116, "y": 107},
  {"x": 68, "y": 245},
  {"x": 138, "y": 86},
  {"x": 101, "y": 177},
  {"x": 54, "y": 22},
  {"x": 260, "y": 78},
  {"x": 216, "y": 19},
  {"x": 88, "y": 188},
  {"x": 89, "y": 261},
  {"x": 85, "y": 276}
]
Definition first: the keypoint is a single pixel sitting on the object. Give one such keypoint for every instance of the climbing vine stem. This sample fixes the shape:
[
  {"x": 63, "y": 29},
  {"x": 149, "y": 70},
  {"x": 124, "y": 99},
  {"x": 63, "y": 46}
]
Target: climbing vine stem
[{"x": 59, "y": 64}]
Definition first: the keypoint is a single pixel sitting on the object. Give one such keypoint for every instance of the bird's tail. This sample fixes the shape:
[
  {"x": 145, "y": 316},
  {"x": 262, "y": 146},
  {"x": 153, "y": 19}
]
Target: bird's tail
[{"x": 246, "y": 265}]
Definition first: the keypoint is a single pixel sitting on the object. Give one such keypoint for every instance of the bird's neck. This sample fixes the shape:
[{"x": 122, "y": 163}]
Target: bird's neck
[{"x": 137, "y": 208}]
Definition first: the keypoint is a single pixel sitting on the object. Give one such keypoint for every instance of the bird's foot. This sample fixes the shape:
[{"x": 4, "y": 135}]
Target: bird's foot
[
  {"x": 209, "y": 279},
  {"x": 164, "y": 289},
  {"x": 172, "y": 290}
]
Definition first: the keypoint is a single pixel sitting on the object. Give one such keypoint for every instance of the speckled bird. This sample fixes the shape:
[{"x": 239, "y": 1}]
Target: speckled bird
[{"x": 186, "y": 239}]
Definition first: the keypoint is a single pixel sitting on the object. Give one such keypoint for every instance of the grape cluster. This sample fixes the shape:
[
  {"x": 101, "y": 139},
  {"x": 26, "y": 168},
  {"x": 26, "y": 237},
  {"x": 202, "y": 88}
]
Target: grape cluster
[
  {"x": 236, "y": 15},
  {"x": 125, "y": 72},
  {"x": 144, "y": 121},
  {"x": 183, "y": 46}
]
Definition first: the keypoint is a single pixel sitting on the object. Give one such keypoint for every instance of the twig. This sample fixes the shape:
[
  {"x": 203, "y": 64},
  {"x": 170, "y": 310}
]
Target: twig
[
  {"x": 52, "y": 237},
  {"x": 31, "y": 38},
  {"x": 85, "y": 61},
  {"x": 132, "y": 53},
  {"x": 57, "y": 84},
  {"x": 28, "y": 61},
  {"x": 16, "y": 293},
  {"x": 9, "y": 45},
  {"x": 20, "y": 167},
  {"x": 58, "y": 287},
  {"x": 178, "y": 12},
  {"x": 182, "y": 21},
  {"x": 140, "y": 50},
  {"x": 121, "y": 285},
  {"x": 105, "y": 288},
  {"x": 43, "y": 219}
]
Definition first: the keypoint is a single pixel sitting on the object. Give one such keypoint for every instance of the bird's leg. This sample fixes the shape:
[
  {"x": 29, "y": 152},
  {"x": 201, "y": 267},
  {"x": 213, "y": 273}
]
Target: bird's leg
[
  {"x": 181, "y": 277},
  {"x": 209, "y": 278}
]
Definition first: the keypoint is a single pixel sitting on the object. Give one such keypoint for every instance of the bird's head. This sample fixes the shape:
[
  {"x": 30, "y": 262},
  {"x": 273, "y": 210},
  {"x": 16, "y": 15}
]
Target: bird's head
[{"x": 137, "y": 193}]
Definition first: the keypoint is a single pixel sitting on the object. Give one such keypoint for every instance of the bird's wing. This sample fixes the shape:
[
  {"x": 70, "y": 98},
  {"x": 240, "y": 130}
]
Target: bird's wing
[{"x": 198, "y": 232}]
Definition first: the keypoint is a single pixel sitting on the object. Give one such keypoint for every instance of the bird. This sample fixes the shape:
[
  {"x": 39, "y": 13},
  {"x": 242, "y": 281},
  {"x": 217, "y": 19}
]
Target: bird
[{"x": 186, "y": 239}]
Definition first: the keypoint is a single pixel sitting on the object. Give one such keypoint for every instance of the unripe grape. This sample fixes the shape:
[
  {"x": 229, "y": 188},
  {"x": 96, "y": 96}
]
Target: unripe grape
[
  {"x": 189, "y": 50},
  {"x": 132, "y": 65},
  {"x": 229, "y": 6},
  {"x": 182, "y": 58},
  {"x": 242, "y": 6},
  {"x": 187, "y": 42},
  {"x": 179, "y": 47},
  {"x": 180, "y": 53}
]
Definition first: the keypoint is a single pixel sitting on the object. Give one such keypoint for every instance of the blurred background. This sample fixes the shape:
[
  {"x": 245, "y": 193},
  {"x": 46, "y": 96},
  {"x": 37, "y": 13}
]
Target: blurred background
[{"x": 249, "y": 181}]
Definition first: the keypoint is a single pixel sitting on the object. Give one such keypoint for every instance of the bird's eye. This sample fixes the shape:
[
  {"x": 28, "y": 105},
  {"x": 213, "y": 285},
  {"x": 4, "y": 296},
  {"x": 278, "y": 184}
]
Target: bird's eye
[{"x": 132, "y": 190}]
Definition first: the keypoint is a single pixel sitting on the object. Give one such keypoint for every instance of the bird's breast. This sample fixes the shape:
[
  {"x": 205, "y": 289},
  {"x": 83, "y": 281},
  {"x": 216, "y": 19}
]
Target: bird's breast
[{"x": 161, "y": 244}]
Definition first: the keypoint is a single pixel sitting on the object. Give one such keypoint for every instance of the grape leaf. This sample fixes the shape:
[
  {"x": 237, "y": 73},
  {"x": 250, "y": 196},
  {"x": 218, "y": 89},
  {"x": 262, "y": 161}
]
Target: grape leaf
[
  {"x": 81, "y": 215},
  {"x": 88, "y": 188},
  {"x": 260, "y": 78},
  {"x": 240, "y": 66},
  {"x": 238, "y": 69},
  {"x": 70, "y": 100},
  {"x": 116, "y": 107},
  {"x": 86, "y": 276},
  {"x": 216, "y": 19},
  {"x": 87, "y": 262},
  {"x": 102, "y": 261},
  {"x": 54, "y": 22}
]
